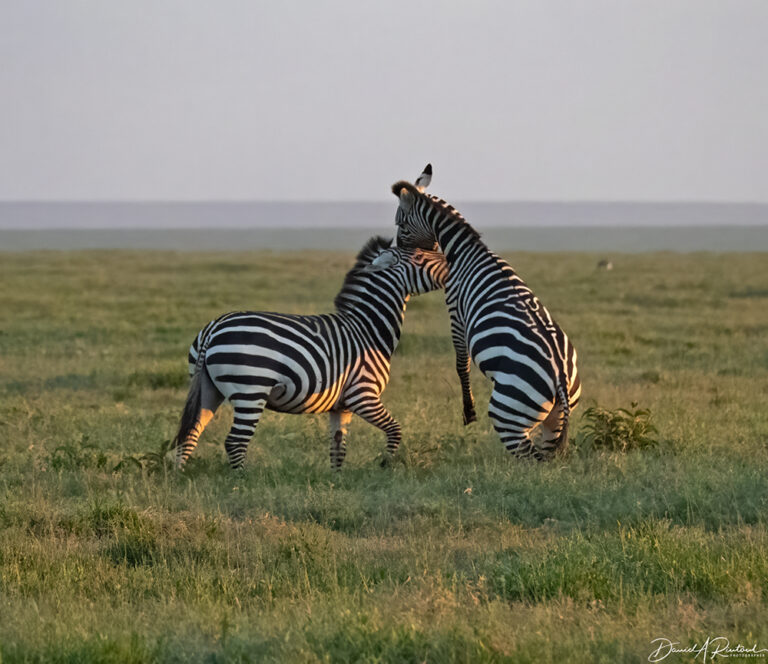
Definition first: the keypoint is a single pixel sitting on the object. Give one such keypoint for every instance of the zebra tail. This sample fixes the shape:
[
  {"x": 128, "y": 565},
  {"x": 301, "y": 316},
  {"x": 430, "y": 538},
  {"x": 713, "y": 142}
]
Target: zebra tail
[
  {"x": 191, "y": 410},
  {"x": 194, "y": 398}
]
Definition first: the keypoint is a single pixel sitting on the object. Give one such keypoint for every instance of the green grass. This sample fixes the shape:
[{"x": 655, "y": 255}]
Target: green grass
[{"x": 455, "y": 554}]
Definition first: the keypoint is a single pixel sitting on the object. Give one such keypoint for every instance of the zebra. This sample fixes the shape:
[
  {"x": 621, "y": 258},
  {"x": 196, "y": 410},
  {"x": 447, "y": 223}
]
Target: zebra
[
  {"x": 336, "y": 363},
  {"x": 498, "y": 322}
]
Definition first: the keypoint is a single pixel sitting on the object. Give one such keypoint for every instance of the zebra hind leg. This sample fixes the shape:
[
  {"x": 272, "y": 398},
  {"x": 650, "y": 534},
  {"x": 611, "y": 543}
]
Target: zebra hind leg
[
  {"x": 374, "y": 412},
  {"x": 551, "y": 428},
  {"x": 514, "y": 426},
  {"x": 551, "y": 439},
  {"x": 209, "y": 400},
  {"x": 247, "y": 415},
  {"x": 339, "y": 423},
  {"x": 185, "y": 449}
]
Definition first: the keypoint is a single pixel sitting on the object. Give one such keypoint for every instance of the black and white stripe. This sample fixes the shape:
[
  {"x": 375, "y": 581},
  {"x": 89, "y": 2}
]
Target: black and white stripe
[
  {"x": 498, "y": 322},
  {"x": 337, "y": 363}
]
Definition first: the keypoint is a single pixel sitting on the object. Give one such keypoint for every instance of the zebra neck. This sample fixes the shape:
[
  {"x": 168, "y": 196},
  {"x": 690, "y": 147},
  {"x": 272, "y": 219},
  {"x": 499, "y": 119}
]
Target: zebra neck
[
  {"x": 375, "y": 315},
  {"x": 455, "y": 237}
]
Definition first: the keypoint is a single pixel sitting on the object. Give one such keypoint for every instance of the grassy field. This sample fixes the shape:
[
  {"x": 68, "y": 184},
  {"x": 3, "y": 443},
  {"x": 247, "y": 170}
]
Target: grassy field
[{"x": 455, "y": 554}]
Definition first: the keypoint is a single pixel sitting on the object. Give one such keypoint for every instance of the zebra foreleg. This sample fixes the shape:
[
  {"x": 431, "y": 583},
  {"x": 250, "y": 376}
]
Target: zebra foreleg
[
  {"x": 463, "y": 365},
  {"x": 462, "y": 368},
  {"x": 247, "y": 415},
  {"x": 374, "y": 412},
  {"x": 339, "y": 423}
]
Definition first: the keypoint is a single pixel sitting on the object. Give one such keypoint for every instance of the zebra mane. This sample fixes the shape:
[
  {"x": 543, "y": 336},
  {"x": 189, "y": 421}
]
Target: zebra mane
[
  {"x": 364, "y": 258},
  {"x": 437, "y": 204},
  {"x": 370, "y": 250}
]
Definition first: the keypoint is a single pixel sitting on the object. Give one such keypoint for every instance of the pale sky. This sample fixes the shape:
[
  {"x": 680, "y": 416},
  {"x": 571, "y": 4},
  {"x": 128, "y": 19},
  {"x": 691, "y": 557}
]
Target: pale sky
[{"x": 247, "y": 100}]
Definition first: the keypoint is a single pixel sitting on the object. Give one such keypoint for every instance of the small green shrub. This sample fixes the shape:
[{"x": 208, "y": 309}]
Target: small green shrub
[
  {"x": 80, "y": 454},
  {"x": 149, "y": 461},
  {"x": 107, "y": 518},
  {"x": 619, "y": 430}
]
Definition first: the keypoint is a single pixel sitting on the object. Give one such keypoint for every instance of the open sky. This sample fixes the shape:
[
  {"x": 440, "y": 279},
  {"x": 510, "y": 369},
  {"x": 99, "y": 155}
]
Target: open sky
[{"x": 335, "y": 100}]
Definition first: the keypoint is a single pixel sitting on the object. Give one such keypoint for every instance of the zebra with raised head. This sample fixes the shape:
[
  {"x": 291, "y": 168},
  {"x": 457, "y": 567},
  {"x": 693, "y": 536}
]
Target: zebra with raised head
[
  {"x": 337, "y": 363},
  {"x": 498, "y": 322}
]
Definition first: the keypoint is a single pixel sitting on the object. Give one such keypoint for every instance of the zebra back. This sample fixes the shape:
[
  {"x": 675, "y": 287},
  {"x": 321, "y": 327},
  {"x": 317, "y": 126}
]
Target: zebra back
[{"x": 315, "y": 358}]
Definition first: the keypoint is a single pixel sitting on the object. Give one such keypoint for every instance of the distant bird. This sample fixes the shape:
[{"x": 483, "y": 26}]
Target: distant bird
[{"x": 604, "y": 264}]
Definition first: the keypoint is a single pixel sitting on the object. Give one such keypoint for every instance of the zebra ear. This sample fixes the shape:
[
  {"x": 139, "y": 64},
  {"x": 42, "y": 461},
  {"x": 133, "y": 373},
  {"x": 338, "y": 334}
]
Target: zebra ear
[
  {"x": 382, "y": 261},
  {"x": 407, "y": 199},
  {"x": 422, "y": 182}
]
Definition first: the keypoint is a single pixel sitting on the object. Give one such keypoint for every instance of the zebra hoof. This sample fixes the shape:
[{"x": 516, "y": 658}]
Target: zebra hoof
[
  {"x": 386, "y": 462},
  {"x": 470, "y": 416}
]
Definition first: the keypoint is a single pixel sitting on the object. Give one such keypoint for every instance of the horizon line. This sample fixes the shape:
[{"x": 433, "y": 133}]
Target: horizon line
[{"x": 252, "y": 201}]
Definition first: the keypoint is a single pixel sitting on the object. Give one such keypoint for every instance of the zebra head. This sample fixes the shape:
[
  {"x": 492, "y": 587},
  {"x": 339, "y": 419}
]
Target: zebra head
[
  {"x": 413, "y": 228},
  {"x": 417, "y": 270},
  {"x": 382, "y": 268}
]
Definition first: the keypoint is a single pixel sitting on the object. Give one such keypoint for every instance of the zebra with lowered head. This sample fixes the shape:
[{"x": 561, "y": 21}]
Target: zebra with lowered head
[
  {"x": 498, "y": 322},
  {"x": 335, "y": 363}
]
